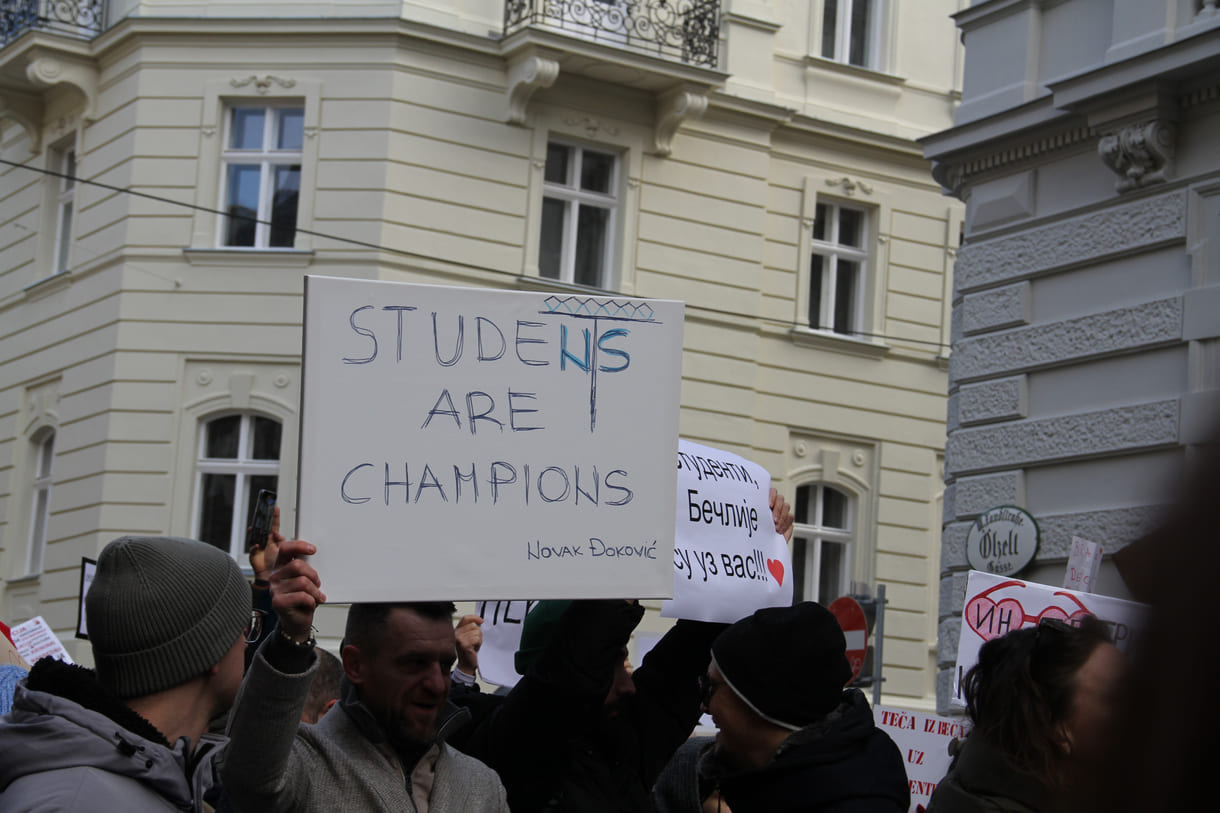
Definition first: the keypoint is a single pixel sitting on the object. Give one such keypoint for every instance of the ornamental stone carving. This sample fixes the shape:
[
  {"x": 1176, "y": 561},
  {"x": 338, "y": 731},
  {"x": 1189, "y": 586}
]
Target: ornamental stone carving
[{"x": 1141, "y": 154}]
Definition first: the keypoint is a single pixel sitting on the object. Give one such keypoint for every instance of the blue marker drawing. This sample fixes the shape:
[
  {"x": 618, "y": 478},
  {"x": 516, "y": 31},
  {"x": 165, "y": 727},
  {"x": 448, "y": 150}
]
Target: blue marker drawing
[{"x": 597, "y": 310}]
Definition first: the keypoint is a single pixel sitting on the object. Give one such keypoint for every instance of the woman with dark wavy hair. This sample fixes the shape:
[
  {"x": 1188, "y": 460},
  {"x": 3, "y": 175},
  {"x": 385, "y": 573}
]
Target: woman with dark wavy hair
[{"x": 1039, "y": 698}]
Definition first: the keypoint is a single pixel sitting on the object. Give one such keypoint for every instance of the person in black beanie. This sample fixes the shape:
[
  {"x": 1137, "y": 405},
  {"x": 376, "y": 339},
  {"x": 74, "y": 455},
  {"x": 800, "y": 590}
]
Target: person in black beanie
[
  {"x": 790, "y": 736},
  {"x": 168, "y": 621}
]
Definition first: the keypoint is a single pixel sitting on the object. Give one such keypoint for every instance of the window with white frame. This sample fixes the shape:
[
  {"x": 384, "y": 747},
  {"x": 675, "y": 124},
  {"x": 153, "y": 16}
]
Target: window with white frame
[
  {"x": 40, "y": 511},
  {"x": 65, "y": 201},
  {"x": 837, "y": 269},
  {"x": 239, "y": 454},
  {"x": 261, "y": 175},
  {"x": 849, "y": 31},
  {"x": 579, "y": 213},
  {"x": 822, "y": 543}
]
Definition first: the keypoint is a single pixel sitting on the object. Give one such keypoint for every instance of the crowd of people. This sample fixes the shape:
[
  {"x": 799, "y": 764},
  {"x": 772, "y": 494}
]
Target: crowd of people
[{"x": 212, "y": 694}]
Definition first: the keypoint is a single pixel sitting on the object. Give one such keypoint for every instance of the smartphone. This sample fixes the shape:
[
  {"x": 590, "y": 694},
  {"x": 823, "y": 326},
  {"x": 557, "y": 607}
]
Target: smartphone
[{"x": 260, "y": 519}]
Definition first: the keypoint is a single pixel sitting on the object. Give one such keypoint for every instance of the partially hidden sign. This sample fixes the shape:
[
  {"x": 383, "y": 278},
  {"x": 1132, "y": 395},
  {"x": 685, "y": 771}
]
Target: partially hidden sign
[
  {"x": 462, "y": 443},
  {"x": 728, "y": 561},
  {"x": 924, "y": 742},
  {"x": 502, "y": 622},
  {"x": 850, "y": 615},
  {"x": 1002, "y": 540},
  {"x": 997, "y": 605}
]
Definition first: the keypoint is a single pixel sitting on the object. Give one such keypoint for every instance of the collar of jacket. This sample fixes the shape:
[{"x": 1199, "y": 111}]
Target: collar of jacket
[{"x": 81, "y": 686}]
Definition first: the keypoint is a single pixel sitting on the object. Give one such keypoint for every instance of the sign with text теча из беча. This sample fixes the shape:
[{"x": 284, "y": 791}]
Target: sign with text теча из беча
[{"x": 462, "y": 443}]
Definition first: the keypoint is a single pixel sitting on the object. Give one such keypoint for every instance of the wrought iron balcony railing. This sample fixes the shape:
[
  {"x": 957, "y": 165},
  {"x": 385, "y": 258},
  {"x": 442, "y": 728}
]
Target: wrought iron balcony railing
[
  {"x": 77, "y": 18},
  {"x": 688, "y": 30}
]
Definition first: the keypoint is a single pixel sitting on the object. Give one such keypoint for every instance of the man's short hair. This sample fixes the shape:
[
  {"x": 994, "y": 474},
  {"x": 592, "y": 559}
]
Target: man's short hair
[
  {"x": 366, "y": 621},
  {"x": 325, "y": 686}
]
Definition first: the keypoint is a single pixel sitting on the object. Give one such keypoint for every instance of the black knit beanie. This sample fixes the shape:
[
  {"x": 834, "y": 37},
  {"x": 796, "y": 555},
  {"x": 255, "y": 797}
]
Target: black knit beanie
[
  {"x": 809, "y": 644},
  {"x": 161, "y": 611},
  {"x": 536, "y": 632}
]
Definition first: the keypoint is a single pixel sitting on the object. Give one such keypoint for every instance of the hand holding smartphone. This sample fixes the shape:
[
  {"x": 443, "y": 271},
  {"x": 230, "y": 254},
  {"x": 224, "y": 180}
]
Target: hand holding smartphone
[{"x": 260, "y": 520}]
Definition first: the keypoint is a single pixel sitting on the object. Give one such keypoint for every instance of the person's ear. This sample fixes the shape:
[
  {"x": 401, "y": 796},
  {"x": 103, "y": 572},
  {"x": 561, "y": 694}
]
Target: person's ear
[
  {"x": 329, "y": 705},
  {"x": 352, "y": 664}
]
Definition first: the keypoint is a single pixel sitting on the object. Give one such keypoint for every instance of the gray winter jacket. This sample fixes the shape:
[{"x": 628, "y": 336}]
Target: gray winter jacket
[
  {"x": 60, "y": 755},
  {"x": 278, "y": 765}
]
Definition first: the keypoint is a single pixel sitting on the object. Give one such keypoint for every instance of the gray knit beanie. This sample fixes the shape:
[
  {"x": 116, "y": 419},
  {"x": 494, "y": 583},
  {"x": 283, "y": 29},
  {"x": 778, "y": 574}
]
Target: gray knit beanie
[{"x": 161, "y": 611}]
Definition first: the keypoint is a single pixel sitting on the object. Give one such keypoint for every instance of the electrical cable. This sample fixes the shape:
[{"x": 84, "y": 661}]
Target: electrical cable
[{"x": 397, "y": 251}]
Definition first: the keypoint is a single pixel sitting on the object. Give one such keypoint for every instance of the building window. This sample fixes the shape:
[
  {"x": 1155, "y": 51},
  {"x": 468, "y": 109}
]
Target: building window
[
  {"x": 65, "y": 200},
  {"x": 238, "y": 455},
  {"x": 262, "y": 176},
  {"x": 822, "y": 543},
  {"x": 40, "y": 512},
  {"x": 579, "y": 208},
  {"x": 837, "y": 269},
  {"x": 849, "y": 31}
]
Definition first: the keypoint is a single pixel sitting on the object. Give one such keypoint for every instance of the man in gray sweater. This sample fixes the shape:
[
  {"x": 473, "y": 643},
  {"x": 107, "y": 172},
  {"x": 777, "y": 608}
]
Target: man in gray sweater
[{"x": 382, "y": 747}]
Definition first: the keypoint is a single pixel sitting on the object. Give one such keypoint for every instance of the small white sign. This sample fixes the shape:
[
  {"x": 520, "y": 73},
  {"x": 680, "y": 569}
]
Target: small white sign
[
  {"x": 996, "y": 605},
  {"x": 728, "y": 559},
  {"x": 1002, "y": 540},
  {"x": 924, "y": 741},
  {"x": 87, "y": 568},
  {"x": 479, "y": 443},
  {"x": 1083, "y": 564},
  {"x": 35, "y": 640},
  {"x": 501, "y": 638}
]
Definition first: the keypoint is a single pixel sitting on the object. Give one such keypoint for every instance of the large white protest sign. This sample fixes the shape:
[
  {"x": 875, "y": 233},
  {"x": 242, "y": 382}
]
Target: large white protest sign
[
  {"x": 465, "y": 443},
  {"x": 728, "y": 559},
  {"x": 924, "y": 741},
  {"x": 35, "y": 640},
  {"x": 501, "y": 639},
  {"x": 996, "y": 605}
]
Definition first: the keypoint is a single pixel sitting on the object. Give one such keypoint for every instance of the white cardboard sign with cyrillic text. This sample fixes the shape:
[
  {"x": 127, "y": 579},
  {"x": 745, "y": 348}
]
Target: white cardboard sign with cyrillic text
[
  {"x": 468, "y": 443},
  {"x": 728, "y": 559},
  {"x": 996, "y": 605}
]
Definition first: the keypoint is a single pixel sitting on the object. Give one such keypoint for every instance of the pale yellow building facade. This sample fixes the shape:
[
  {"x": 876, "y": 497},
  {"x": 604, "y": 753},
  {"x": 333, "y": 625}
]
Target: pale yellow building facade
[{"x": 758, "y": 163}]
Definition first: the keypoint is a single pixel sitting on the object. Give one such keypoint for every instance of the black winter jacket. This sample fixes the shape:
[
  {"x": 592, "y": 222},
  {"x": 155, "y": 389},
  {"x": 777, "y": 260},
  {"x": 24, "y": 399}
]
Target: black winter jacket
[
  {"x": 551, "y": 740},
  {"x": 840, "y": 764}
]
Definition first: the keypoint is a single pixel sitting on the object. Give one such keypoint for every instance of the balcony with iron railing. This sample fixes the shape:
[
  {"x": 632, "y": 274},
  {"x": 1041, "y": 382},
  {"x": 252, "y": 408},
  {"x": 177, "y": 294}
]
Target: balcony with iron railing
[
  {"x": 74, "y": 18},
  {"x": 686, "y": 31}
]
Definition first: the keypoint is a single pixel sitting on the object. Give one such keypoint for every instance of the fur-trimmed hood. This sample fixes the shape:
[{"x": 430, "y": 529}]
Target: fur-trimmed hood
[{"x": 68, "y": 737}]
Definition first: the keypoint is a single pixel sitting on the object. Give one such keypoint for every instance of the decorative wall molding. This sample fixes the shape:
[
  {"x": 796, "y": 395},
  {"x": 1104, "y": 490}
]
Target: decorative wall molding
[
  {"x": 1110, "y": 232},
  {"x": 25, "y": 113},
  {"x": 998, "y": 308},
  {"x": 997, "y": 400},
  {"x": 1087, "y": 434},
  {"x": 262, "y": 84},
  {"x": 525, "y": 76},
  {"x": 1141, "y": 154},
  {"x": 590, "y": 125},
  {"x": 674, "y": 108},
  {"x": 849, "y": 186},
  {"x": 48, "y": 71},
  {"x": 1098, "y": 334}
]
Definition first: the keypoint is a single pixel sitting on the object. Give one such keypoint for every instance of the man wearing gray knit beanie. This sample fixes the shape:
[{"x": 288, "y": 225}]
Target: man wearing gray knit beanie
[{"x": 168, "y": 620}]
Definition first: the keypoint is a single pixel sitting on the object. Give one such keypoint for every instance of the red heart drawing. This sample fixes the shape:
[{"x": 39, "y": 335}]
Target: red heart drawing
[
  {"x": 777, "y": 570},
  {"x": 991, "y": 620}
]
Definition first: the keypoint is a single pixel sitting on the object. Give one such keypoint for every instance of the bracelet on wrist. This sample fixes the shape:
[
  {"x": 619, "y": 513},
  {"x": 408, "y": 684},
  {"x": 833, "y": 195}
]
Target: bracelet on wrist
[{"x": 288, "y": 640}]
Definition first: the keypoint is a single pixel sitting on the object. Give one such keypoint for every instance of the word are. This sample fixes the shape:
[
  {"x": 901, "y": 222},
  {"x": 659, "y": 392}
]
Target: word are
[
  {"x": 500, "y": 480},
  {"x": 715, "y": 469},
  {"x": 596, "y": 548},
  {"x": 751, "y": 566},
  {"x": 728, "y": 514}
]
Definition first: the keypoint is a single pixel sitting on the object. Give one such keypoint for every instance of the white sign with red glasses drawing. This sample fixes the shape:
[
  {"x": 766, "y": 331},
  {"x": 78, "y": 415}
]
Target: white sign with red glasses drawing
[
  {"x": 728, "y": 559},
  {"x": 997, "y": 605}
]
